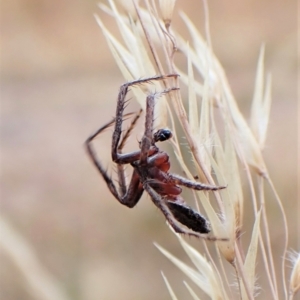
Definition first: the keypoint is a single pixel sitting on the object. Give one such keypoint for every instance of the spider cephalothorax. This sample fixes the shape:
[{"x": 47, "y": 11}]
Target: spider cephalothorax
[{"x": 150, "y": 168}]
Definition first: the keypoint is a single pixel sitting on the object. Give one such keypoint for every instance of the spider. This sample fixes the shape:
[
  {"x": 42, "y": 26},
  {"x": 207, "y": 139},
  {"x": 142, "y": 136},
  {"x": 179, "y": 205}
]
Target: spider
[{"x": 150, "y": 167}]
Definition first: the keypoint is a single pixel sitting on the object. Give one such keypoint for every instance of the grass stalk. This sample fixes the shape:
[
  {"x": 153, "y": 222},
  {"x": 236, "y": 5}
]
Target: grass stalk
[{"x": 210, "y": 101}]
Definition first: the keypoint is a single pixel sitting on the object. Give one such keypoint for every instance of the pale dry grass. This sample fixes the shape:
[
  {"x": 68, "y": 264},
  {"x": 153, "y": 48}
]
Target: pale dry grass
[{"x": 220, "y": 141}]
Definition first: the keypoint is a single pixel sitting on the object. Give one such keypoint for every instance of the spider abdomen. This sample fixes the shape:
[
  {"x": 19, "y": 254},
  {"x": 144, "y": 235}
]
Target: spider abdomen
[{"x": 189, "y": 217}]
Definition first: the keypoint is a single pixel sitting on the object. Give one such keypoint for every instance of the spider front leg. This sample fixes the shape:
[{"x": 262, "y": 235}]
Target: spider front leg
[
  {"x": 149, "y": 139},
  {"x": 120, "y": 167},
  {"x": 123, "y": 158},
  {"x": 195, "y": 185}
]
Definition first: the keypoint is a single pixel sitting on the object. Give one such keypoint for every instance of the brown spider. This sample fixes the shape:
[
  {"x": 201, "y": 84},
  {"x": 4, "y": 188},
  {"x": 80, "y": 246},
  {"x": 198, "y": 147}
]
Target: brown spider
[{"x": 150, "y": 168}]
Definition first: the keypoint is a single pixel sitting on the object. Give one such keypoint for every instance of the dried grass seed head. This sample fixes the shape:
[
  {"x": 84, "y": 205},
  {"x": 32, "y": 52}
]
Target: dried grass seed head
[
  {"x": 166, "y": 8},
  {"x": 295, "y": 275}
]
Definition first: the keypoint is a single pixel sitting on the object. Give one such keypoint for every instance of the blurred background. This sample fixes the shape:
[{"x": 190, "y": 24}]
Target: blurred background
[{"x": 59, "y": 83}]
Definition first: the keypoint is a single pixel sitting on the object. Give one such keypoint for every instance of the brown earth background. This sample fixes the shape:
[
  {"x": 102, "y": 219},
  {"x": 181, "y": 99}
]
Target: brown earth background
[{"x": 58, "y": 84}]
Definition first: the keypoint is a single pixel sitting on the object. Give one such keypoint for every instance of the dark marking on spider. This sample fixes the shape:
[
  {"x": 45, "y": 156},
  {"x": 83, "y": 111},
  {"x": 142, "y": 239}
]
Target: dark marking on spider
[{"x": 150, "y": 168}]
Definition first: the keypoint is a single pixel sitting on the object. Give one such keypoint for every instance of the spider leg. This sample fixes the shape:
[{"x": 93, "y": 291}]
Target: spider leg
[
  {"x": 118, "y": 157},
  {"x": 129, "y": 130},
  {"x": 120, "y": 167},
  {"x": 95, "y": 160},
  {"x": 88, "y": 142},
  {"x": 133, "y": 193},
  {"x": 147, "y": 140},
  {"x": 176, "y": 179},
  {"x": 102, "y": 128}
]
